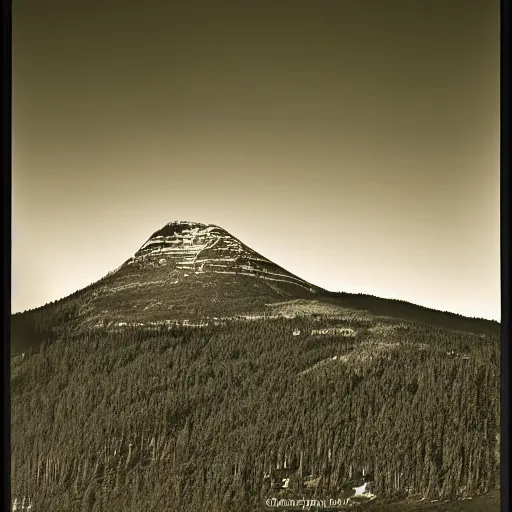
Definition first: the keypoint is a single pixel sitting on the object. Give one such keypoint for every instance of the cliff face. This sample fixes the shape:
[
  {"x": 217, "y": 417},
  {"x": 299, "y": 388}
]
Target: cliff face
[{"x": 205, "y": 248}]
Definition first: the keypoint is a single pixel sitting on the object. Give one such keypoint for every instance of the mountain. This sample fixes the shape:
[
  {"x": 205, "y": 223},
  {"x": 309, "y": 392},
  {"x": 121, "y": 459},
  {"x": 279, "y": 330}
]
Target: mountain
[
  {"x": 195, "y": 248},
  {"x": 184, "y": 271},
  {"x": 192, "y": 271},
  {"x": 200, "y": 376}
]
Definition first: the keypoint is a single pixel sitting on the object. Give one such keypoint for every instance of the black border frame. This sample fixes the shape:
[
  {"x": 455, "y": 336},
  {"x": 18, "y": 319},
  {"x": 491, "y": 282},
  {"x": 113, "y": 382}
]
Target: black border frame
[{"x": 6, "y": 193}]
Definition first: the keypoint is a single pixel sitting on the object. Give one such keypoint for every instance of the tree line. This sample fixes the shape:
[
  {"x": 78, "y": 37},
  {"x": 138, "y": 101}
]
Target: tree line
[{"x": 194, "y": 419}]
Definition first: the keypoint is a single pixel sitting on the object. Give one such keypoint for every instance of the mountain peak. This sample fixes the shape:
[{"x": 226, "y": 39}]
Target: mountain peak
[
  {"x": 182, "y": 238},
  {"x": 185, "y": 223},
  {"x": 178, "y": 226},
  {"x": 197, "y": 248}
]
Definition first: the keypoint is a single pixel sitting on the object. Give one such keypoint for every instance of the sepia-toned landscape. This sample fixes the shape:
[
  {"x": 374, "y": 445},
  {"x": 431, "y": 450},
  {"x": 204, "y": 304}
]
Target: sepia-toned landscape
[
  {"x": 255, "y": 256},
  {"x": 201, "y": 376}
]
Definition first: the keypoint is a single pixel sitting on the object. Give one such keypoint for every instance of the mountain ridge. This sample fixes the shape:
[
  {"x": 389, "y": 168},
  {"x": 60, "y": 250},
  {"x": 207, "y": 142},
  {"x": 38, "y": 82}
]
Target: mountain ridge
[{"x": 189, "y": 270}]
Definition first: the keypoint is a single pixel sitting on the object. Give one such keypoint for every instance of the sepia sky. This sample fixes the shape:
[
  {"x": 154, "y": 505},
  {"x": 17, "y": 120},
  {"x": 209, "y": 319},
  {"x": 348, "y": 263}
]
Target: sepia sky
[{"x": 353, "y": 142}]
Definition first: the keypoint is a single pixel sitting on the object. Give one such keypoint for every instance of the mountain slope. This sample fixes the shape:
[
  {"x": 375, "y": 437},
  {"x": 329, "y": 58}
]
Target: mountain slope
[{"x": 207, "y": 419}]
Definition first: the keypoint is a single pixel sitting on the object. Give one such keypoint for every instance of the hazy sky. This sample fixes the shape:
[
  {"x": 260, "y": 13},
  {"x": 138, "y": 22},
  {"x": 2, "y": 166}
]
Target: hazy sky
[{"x": 353, "y": 142}]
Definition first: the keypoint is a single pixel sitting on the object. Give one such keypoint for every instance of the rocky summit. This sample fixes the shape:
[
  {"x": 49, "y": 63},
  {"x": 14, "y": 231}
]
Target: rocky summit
[{"x": 199, "y": 248}]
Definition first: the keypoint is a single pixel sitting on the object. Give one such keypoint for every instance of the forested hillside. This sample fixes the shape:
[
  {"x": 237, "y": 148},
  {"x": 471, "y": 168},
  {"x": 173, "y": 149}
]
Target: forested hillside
[{"x": 203, "y": 419}]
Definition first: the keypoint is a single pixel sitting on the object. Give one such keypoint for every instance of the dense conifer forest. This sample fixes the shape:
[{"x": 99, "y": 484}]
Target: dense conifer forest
[{"x": 184, "y": 419}]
